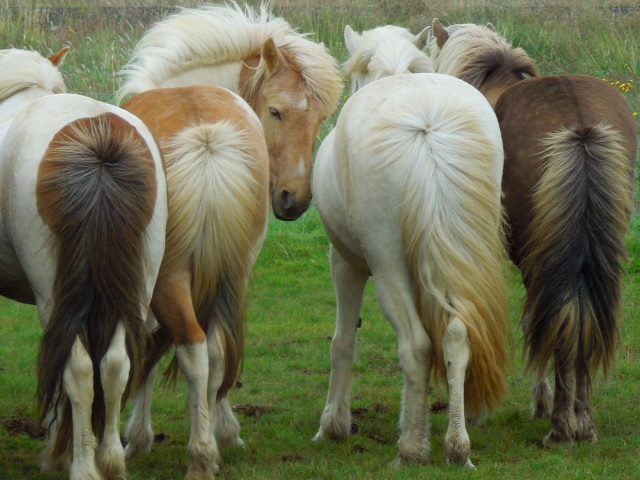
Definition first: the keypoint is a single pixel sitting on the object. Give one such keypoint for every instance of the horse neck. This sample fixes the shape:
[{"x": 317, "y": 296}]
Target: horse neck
[
  {"x": 495, "y": 85},
  {"x": 226, "y": 75},
  {"x": 16, "y": 102}
]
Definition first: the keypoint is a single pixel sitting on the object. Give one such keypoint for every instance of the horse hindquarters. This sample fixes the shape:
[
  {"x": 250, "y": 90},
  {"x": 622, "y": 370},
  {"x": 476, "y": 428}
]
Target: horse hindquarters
[
  {"x": 96, "y": 190},
  {"x": 573, "y": 265}
]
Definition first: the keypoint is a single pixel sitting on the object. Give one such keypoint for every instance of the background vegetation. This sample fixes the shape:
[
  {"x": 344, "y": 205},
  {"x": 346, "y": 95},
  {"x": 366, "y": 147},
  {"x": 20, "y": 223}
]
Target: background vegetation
[{"x": 292, "y": 306}]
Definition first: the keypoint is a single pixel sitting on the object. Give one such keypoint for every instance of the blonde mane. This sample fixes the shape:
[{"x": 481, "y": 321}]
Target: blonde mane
[
  {"x": 214, "y": 35},
  {"x": 22, "y": 69},
  {"x": 389, "y": 49},
  {"x": 472, "y": 51}
]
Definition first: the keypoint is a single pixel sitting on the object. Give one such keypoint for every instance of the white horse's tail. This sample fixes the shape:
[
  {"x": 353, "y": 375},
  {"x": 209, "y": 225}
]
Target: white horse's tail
[
  {"x": 214, "y": 207},
  {"x": 452, "y": 227}
]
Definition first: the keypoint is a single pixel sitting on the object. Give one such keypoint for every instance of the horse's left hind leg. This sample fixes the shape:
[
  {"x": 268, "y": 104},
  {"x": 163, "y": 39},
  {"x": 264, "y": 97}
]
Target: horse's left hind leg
[
  {"x": 456, "y": 357},
  {"x": 563, "y": 418},
  {"x": 541, "y": 397},
  {"x": 114, "y": 373},
  {"x": 586, "y": 430}
]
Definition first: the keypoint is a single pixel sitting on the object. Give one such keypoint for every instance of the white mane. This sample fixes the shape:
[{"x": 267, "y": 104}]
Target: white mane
[
  {"x": 21, "y": 69},
  {"x": 214, "y": 35},
  {"x": 385, "y": 51}
]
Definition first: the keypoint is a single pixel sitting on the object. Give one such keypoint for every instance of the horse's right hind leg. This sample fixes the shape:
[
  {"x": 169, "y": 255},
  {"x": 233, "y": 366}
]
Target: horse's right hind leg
[
  {"x": 586, "y": 430},
  {"x": 78, "y": 385},
  {"x": 349, "y": 284},
  {"x": 139, "y": 430},
  {"x": 114, "y": 374},
  {"x": 563, "y": 418},
  {"x": 225, "y": 425}
]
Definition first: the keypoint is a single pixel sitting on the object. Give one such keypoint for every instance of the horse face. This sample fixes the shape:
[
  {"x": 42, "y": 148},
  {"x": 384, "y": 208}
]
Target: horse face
[{"x": 291, "y": 118}]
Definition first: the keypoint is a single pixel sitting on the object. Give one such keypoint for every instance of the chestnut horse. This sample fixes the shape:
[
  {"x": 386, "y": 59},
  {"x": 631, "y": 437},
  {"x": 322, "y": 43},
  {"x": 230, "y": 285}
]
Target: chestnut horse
[
  {"x": 408, "y": 189},
  {"x": 218, "y": 183},
  {"x": 82, "y": 230},
  {"x": 570, "y": 153},
  {"x": 292, "y": 83}
]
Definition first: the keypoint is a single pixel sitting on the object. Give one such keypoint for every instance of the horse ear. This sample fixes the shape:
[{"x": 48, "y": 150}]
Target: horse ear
[
  {"x": 351, "y": 39},
  {"x": 422, "y": 39},
  {"x": 440, "y": 32},
  {"x": 58, "y": 58},
  {"x": 491, "y": 27},
  {"x": 272, "y": 56}
]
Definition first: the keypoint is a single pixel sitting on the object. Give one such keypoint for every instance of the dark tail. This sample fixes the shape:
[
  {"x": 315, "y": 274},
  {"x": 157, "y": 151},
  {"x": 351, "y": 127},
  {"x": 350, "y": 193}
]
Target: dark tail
[
  {"x": 96, "y": 191},
  {"x": 575, "y": 254}
]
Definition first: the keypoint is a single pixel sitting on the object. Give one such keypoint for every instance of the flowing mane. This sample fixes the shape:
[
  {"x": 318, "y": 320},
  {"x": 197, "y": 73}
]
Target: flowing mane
[
  {"x": 220, "y": 34},
  {"x": 472, "y": 51},
  {"x": 397, "y": 42},
  {"x": 22, "y": 69}
]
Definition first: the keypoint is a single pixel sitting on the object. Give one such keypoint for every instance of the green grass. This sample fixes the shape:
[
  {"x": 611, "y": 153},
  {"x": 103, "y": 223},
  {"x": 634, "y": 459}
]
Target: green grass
[{"x": 292, "y": 306}]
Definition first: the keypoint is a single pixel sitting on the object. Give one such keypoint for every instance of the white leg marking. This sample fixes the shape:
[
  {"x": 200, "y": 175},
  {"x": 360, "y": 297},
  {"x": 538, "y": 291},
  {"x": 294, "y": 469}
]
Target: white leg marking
[
  {"x": 114, "y": 371},
  {"x": 78, "y": 384},
  {"x": 139, "y": 429},
  {"x": 456, "y": 356},
  {"x": 349, "y": 284},
  {"x": 203, "y": 451}
]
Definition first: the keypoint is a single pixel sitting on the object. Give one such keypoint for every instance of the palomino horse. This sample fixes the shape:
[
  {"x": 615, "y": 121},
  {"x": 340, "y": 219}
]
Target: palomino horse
[
  {"x": 408, "y": 188},
  {"x": 291, "y": 82},
  {"x": 82, "y": 229},
  {"x": 218, "y": 182},
  {"x": 570, "y": 149},
  {"x": 384, "y": 51}
]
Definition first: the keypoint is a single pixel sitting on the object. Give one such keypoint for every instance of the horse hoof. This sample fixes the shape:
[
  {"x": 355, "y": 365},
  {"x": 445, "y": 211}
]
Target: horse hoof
[
  {"x": 397, "y": 464},
  {"x": 555, "y": 440}
]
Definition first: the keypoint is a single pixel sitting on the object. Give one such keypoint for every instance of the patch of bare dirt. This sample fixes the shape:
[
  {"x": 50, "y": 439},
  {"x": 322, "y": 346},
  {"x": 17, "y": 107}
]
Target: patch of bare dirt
[
  {"x": 22, "y": 426},
  {"x": 254, "y": 411}
]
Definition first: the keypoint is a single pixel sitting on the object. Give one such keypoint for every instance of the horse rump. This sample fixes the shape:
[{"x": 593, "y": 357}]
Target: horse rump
[{"x": 96, "y": 191}]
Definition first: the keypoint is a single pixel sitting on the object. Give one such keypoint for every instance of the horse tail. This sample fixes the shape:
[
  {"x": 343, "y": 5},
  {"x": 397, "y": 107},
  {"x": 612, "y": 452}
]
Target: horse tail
[
  {"x": 214, "y": 207},
  {"x": 96, "y": 190},
  {"x": 575, "y": 252},
  {"x": 452, "y": 229}
]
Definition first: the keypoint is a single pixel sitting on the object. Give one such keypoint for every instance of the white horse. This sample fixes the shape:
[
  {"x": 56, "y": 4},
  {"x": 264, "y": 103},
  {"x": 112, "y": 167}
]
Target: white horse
[
  {"x": 82, "y": 227},
  {"x": 385, "y": 51},
  {"x": 408, "y": 188}
]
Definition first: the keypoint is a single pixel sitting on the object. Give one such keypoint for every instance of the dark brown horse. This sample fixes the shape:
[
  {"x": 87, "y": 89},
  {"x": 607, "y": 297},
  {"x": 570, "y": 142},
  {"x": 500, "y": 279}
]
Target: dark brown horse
[{"x": 570, "y": 153}]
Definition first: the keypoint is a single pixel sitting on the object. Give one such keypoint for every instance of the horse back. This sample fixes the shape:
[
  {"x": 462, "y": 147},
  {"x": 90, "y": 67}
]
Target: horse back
[{"x": 528, "y": 112}]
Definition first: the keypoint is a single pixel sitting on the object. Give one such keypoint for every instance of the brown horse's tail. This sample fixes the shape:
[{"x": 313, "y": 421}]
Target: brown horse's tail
[
  {"x": 96, "y": 191},
  {"x": 452, "y": 227},
  {"x": 575, "y": 252},
  {"x": 214, "y": 208}
]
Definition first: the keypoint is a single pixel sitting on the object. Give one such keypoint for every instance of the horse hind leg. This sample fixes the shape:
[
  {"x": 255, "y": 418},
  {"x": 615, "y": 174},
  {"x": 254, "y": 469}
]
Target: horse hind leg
[
  {"x": 349, "y": 283},
  {"x": 586, "y": 430},
  {"x": 114, "y": 374},
  {"x": 457, "y": 353},
  {"x": 563, "y": 418},
  {"x": 541, "y": 397},
  {"x": 78, "y": 385},
  {"x": 396, "y": 299},
  {"x": 225, "y": 426},
  {"x": 139, "y": 429}
]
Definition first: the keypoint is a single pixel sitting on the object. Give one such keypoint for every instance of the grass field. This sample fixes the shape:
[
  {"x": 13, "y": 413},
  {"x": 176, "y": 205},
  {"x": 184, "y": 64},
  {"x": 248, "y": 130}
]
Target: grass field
[{"x": 292, "y": 305}]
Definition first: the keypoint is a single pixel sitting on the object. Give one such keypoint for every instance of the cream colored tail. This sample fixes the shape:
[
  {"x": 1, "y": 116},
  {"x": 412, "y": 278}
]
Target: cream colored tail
[
  {"x": 214, "y": 201},
  {"x": 452, "y": 227}
]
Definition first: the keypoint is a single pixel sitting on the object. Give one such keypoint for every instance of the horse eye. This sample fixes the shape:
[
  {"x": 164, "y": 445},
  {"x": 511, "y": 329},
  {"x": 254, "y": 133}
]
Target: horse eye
[{"x": 275, "y": 113}]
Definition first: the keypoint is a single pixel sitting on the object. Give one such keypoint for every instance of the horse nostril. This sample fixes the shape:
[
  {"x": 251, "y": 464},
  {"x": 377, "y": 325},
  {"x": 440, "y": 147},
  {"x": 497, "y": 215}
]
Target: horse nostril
[{"x": 287, "y": 200}]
